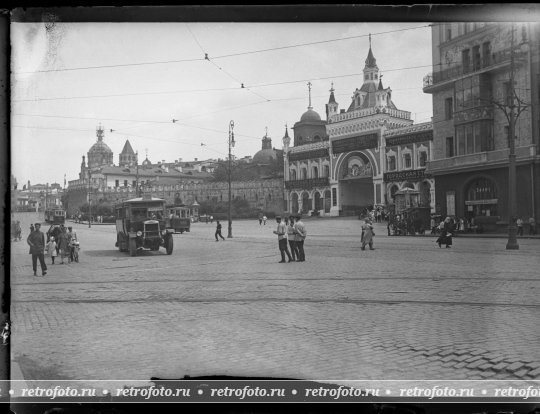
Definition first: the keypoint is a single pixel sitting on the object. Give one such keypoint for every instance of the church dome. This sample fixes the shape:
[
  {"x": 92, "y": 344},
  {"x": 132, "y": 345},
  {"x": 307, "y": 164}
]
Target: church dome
[
  {"x": 310, "y": 115},
  {"x": 264, "y": 156},
  {"x": 100, "y": 147}
]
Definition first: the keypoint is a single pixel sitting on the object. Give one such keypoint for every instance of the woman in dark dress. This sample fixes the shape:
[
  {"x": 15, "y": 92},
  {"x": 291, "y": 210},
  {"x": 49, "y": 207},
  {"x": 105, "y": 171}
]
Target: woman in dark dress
[{"x": 446, "y": 234}]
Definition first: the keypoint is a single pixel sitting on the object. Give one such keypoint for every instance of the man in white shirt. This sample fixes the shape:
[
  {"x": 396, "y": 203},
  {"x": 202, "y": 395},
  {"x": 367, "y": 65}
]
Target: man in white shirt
[
  {"x": 282, "y": 239},
  {"x": 300, "y": 234}
]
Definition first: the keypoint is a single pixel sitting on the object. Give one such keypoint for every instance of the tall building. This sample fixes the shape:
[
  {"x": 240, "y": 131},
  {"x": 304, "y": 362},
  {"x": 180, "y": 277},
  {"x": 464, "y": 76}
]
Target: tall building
[
  {"x": 470, "y": 85},
  {"x": 338, "y": 166}
]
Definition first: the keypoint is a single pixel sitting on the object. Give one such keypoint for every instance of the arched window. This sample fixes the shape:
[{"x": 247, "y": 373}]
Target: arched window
[
  {"x": 422, "y": 159},
  {"x": 316, "y": 138},
  {"x": 293, "y": 174},
  {"x": 314, "y": 172},
  {"x": 391, "y": 163},
  {"x": 304, "y": 174},
  {"x": 407, "y": 161},
  {"x": 327, "y": 171}
]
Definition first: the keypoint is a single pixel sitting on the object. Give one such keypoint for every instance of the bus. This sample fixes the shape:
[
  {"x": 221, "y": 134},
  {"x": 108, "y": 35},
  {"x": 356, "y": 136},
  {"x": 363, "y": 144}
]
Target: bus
[{"x": 55, "y": 216}]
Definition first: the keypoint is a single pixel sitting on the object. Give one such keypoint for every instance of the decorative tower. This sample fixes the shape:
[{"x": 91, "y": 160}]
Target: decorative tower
[
  {"x": 371, "y": 70},
  {"x": 127, "y": 156},
  {"x": 286, "y": 140},
  {"x": 332, "y": 105}
]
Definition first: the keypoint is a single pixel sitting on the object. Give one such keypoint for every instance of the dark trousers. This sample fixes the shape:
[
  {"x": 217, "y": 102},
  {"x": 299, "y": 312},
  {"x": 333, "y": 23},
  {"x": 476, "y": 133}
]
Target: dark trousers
[
  {"x": 218, "y": 233},
  {"x": 520, "y": 230},
  {"x": 301, "y": 254},
  {"x": 294, "y": 250},
  {"x": 284, "y": 249},
  {"x": 532, "y": 230},
  {"x": 35, "y": 257}
]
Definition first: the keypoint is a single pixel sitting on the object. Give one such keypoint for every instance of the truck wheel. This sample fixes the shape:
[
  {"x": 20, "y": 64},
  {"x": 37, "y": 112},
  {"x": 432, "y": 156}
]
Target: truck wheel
[
  {"x": 132, "y": 247},
  {"x": 169, "y": 245}
]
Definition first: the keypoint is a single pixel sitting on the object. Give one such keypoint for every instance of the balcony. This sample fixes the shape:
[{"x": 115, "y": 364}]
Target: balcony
[
  {"x": 497, "y": 60},
  {"x": 480, "y": 159},
  {"x": 307, "y": 184}
]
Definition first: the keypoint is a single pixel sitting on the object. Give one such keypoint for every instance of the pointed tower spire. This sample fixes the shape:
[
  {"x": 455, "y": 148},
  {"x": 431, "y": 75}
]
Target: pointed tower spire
[
  {"x": 332, "y": 97},
  {"x": 286, "y": 139}
]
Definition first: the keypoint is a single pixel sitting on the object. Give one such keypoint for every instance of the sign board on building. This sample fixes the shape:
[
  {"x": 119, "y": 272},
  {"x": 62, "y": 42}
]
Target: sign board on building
[
  {"x": 405, "y": 175},
  {"x": 410, "y": 138},
  {"x": 318, "y": 153},
  {"x": 355, "y": 143}
]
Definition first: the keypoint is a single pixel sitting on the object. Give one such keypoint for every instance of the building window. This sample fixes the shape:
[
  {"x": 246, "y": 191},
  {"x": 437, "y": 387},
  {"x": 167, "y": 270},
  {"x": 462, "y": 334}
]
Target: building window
[
  {"x": 134, "y": 184},
  {"x": 448, "y": 108},
  {"x": 391, "y": 163},
  {"x": 474, "y": 137},
  {"x": 466, "y": 60},
  {"x": 293, "y": 174},
  {"x": 422, "y": 159},
  {"x": 449, "y": 147},
  {"x": 476, "y": 58},
  {"x": 472, "y": 92},
  {"x": 486, "y": 54},
  {"x": 117, "y": 183},
  {"x": 407, "y": 160},
  {"x": 326, "y": 171},
  {"x": 314, "y": 172},
  {"x": 334, "y": 197},
  {"x": 125, "y": 183},
  {"x": 304, "y": 174}
]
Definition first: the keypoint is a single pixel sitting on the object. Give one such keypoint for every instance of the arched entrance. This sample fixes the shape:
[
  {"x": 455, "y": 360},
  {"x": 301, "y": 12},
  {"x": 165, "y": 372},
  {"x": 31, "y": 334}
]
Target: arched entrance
[
  {"x": 318, "y": 201},
  {"x": 356, "y": 184},
  {"x": 327, "y": 201},
  {"x": 481, "y": 198},
  {"x": 306, "y": 202},
  {"x": 294, "y": 203}
]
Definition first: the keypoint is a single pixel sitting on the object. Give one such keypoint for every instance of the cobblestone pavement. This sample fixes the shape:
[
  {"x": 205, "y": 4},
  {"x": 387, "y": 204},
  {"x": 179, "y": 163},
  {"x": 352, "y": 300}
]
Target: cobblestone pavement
[{"x": 407, "y": 310}]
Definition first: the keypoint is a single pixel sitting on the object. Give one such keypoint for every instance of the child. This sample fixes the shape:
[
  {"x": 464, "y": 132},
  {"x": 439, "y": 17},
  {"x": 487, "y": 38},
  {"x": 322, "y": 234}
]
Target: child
[{"x": 51, "y": 249}]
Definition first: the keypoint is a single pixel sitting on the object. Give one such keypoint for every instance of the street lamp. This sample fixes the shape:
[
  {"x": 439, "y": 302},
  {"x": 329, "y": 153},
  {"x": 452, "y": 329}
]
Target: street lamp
[
  {"x": 89, "y": 199},
  {"x": 509, "y": 107},
  {"x": 231, "y": 143}
]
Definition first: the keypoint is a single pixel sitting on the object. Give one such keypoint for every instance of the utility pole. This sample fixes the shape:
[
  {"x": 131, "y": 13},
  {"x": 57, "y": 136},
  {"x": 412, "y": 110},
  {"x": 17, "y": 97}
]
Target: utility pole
[
  {"x": 137, "y": 179},
  {"x": 231, "y": 143}
]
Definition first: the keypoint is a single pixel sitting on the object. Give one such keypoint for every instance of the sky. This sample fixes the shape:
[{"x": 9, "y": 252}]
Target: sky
[{"x": 135, "y": 78}]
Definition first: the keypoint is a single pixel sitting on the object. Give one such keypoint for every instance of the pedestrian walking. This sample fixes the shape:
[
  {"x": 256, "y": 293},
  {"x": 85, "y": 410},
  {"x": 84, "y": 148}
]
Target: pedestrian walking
[
  {"x": 72, "y": 238},
  {"x": 218, "y": 231},
  {"x": 300, "y": 234},
  {"x": 260, "y": 219},
  {"x": 281, "y": 232},
  {"x": 532, "y": 226},
  {"x": 519, "y": 224},
  {"x": 290, "y": 236},
  {"x": 36, "y": 241},
  {"x": 63, "y": 244},
  {"x": 264, "y": 220},
  {"x": 51, "y": 249},
  {"x": 446, "y": 233},
  {"x": 211, "y": 219},
  {"x": 367, "y": 234}
]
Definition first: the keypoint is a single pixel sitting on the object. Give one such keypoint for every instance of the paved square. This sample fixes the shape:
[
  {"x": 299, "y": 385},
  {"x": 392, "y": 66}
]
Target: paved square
[{"x": 407, "y": 310}]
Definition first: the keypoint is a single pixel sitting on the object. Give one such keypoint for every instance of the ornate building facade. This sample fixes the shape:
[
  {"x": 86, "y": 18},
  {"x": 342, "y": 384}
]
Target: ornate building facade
[{"x": 337, "y": 167}]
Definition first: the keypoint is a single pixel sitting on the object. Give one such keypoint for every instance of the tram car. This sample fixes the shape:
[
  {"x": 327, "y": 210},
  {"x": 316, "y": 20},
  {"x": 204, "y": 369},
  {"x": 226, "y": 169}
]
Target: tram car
[
  {"x": 178, "y": 218},
  {"x": 55, "y": 216}
]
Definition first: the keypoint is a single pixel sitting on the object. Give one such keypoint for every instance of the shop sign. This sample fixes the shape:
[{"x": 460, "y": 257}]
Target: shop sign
[
  {"x": 410, "y": 138},
  {"x": 480, "y": 202},
  {"x": 355, "y": 143},
  {"x": 405, "y": 175},
  {"x": 318, "y": 153}
]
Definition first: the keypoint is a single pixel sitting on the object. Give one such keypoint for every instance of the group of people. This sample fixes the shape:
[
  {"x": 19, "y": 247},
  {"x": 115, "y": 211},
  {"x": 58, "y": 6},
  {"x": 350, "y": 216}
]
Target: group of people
[
  {"x": 446, "y": 231},
  {"x": 262, "y": 219},
  {"x": 293, "y": 230},
  {"x": 532, "y": 226}
]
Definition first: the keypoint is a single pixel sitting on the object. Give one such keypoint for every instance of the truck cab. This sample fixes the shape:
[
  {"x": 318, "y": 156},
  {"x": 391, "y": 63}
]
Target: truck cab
[{"x": 141, "y": 225}]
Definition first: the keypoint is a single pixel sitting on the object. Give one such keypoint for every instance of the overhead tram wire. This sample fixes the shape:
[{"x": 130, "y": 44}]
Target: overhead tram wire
[
  {"x": 206, "y": 57},
  {"x": 261, "y": 85},
  {"x": 221, "y": 56}
]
